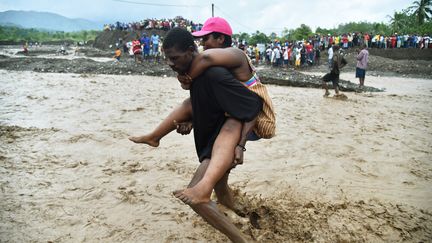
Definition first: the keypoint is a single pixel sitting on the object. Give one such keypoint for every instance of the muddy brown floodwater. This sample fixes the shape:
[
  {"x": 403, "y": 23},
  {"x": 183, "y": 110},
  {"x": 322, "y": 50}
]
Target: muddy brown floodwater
[{"x": 358, "y": 170}]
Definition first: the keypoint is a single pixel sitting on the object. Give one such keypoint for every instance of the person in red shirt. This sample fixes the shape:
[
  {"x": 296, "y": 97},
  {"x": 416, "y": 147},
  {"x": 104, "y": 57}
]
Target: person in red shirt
[
  {"x": 345, "y": 41},
  {"x": 136, "y": 49},
  {"x": 25, "y": 48},
  {"x": 290, "y": 47},
  {"x": 393, "y": 41},
  {"x": 366, "y": 39},
  {"x": 309, "y": 53}
]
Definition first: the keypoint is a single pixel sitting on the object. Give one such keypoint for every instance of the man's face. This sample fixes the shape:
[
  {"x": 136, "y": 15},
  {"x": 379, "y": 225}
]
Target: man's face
[
  {"x": 178, "y": 60},
  {"x": 209, "y": 42}
]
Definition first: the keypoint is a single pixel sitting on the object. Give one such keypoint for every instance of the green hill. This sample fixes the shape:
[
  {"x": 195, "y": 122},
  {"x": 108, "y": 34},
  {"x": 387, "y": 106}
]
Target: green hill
[{"x": 46, "y": 21}]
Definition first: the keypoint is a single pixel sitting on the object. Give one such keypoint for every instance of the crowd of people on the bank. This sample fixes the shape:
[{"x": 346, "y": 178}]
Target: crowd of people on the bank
[
  {"x": 155, "y": 24},
  {"x": 283, "y": 54},
  {"x": 375, "y": 40},
  {"x": 308, "y": 52},
  {"x": 295, "y": 54},
  {"x": 142, "y": 48}
]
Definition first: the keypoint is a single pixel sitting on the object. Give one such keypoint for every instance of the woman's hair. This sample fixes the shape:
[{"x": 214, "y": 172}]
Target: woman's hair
[
  {"x": 179, "y": 38},
  {"x": 227, "y": 41}
]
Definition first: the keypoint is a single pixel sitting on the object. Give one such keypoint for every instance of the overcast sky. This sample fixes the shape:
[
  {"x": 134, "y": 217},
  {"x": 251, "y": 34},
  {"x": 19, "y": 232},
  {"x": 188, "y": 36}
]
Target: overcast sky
[{"x": 244, "y": 16}]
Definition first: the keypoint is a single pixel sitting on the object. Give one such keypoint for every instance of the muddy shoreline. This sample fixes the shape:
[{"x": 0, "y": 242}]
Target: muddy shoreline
[{"x": 88, "y": 60}]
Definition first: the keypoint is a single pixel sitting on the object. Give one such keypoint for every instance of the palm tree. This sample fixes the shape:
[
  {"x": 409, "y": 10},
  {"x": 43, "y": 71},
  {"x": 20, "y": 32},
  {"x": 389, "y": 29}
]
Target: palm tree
[
  {"x": 397, "y": 21},
  {"x": 422, "y": 9}
]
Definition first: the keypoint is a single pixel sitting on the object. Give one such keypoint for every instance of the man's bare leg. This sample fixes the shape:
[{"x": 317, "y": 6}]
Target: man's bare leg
[
  {"x": 224, "y": 193},
  {"x": 361, "y": 82},
  {"x": 324, "y": 85},
  {"x": 219, "y": 221},
  {"x": 221, "y": 161},
  {"x": 181, "y": 113},
  {"x": 210, "y": 213},
  {"x": 336, "y": 90}
]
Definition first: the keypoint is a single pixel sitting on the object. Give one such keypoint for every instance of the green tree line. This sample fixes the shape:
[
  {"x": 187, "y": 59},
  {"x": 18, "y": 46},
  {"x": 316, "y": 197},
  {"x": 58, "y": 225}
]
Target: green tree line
[{"x": 16, "y": 34}]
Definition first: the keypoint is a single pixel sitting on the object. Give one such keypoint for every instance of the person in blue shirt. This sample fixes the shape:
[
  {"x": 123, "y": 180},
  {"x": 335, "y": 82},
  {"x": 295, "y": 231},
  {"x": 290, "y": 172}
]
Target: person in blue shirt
[
  {"x": 155, "y": 44},
  {"x": 145, "y": 43}
]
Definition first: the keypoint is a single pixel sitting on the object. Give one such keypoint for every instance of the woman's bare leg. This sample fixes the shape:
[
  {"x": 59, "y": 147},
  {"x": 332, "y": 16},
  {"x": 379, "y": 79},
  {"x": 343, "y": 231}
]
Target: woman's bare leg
[
  {"x": 221, "y": 161},
  {"x": 181, "y": 113}
]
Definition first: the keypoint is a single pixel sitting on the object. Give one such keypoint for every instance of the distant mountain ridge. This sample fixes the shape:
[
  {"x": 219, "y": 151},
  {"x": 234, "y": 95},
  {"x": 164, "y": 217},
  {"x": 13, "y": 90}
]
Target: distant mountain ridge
[{"x": 46, "y": 21}]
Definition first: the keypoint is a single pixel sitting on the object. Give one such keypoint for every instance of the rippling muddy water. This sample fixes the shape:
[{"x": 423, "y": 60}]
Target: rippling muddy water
[{"x": 358, "y": 170}]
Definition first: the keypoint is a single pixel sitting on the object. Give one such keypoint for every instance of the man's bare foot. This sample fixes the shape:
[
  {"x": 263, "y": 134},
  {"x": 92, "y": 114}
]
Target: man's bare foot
[
  {"x": 326, "y": 94},
  {"x": 233, "y": 216},
  {"x": 340, "y": 96},
  {"x": 192, "y": 196},
  {"x": 147, "y": 139}
]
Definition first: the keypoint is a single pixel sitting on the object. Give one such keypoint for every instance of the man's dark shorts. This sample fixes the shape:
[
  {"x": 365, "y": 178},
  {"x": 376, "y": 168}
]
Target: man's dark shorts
[
  {"x": 360, "y": 73},
  {"x": 252, "y": 136},
  {"x": 331, "y": 77}
]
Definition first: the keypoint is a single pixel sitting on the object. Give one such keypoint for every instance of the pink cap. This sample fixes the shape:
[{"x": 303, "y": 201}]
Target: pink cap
[{"x": 214, "y": 24}]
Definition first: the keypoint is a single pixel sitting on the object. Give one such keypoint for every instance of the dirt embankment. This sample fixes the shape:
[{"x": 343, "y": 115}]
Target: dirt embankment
[
  {"x": 403, "y": 53},
  {"x": 90, "y": 60},
  {"x": 278, "y": 76},
  {"x": 84, "y": 66},
  {"x": 408, "y": 62},
  {"x": 110, "y": 38}
]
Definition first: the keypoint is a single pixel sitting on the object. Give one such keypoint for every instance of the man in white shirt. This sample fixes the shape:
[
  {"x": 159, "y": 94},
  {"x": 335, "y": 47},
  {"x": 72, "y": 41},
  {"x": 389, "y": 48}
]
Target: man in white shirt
[
  {"x": 277, "y": 54},
  {"x": 426, "y": 40},
  {"x": 268, "y": 54},
  {"x": 330, "y": 55}
]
